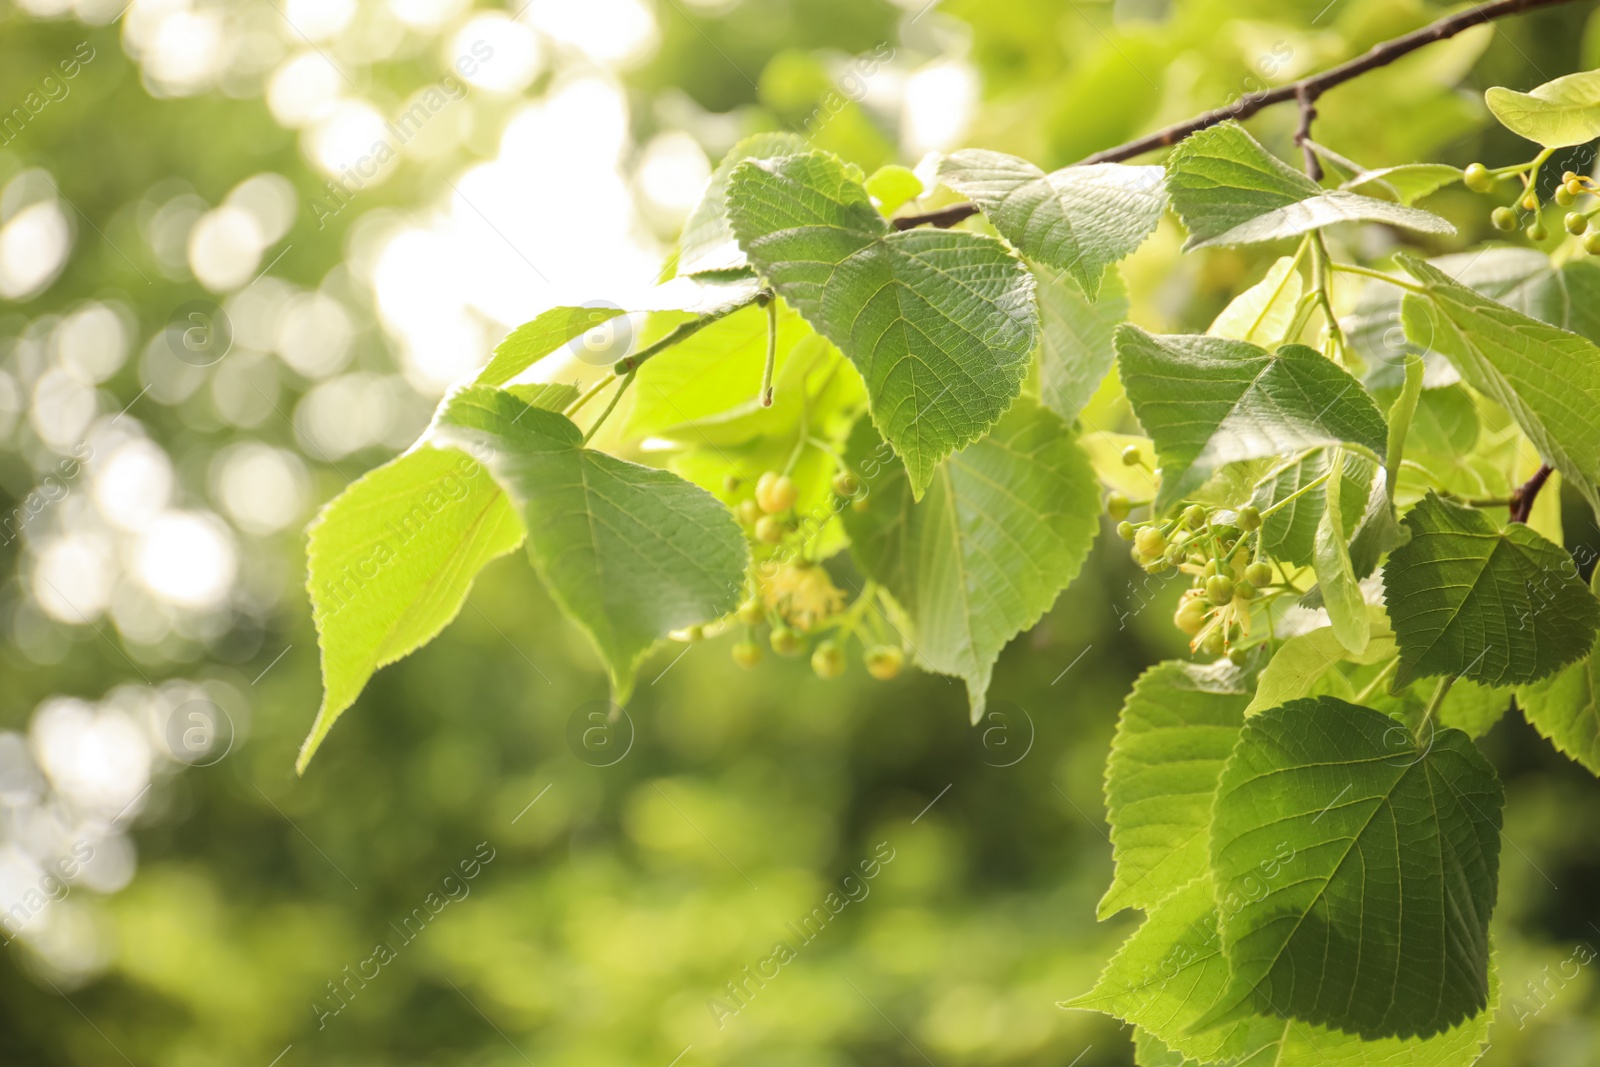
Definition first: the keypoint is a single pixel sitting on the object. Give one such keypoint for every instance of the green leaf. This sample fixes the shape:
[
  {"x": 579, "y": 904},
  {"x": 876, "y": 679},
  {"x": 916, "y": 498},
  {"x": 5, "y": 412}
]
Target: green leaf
[
  {"x": 707, "y": 243},
  {"x": 940, "y": 324},
  {"x": 1557, "y": 114},
  {"x": 1330, "y": 559},
  {"x": 892, "y": 186},
  {"x": 1005, "y": 526},
  {"x": 1383, "y": 930},
  {"x": 532, "y": 341},
  {"x": 1500, "y": 607},
  {"x": 1565, "y": 708},
  {"x": 1307, "y": 664},
  {"x": 1262, "y": 313},
  {"x": 1176, "y": 730},
  {"x": 1150, "y": 1051},
  {"x": 1407, "y": 183},
  {"x": 628, "y": 552},
  {"x": 1228, "y": 190},
  {"x": 1076, "y": 338},
  {"x": 1548, "y": 379},
  {"x": 1078, "y": 219},
  {"x": 1209, "y": 401},
  {"x": 1289, "y": 533},
  {"x": 390, "y": 562}
]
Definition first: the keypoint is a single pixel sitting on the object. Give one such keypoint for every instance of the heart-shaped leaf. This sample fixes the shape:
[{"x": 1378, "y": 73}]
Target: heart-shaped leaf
[{"x": 1557, "y": 114}]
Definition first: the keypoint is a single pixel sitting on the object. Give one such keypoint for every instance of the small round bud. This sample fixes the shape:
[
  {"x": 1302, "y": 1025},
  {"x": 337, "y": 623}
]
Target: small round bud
[
  {"x": 1244, "y": 590},
  {"x": 749, "y": 511},
  {"x": 1214, "y": 644},
  {"x": 1150, "y": 541},
  {"x": 1536, "y": 231},
  {"x": 1209, "y": 569},
  {"x": 747, "y": 654},
  {"x": 1568, "y": 175},
  {"x": 1258, "y": 574},
  {"x": 1249, "y": 518},
  {"x": 732, "y": 483},
  {"x": 859, "y": 505},
  {"x": 845, "y": 484},
  {"x": 1125, "y": 530},
  {"x": 1576, "y": 223},
  {"x": 752, "y": 612},
  {"x": 769, "y": 529},
  {"x": 1477, "y": 178},
  {"x": 1574, "y": 185},
  {"x": 827, "y": 660},
  {"x": 1131, "y": 456},
  {"x": 1237, "y": 656},
  {"x": 1137, "y": 556},
  {"x": 883, "y": 662},
  {"x": 1191, "y": 615},
  {"x": 1118, "y": 506},
  {"x": 1503, "y": 218},
  {"x": 1591, "y": 242},
  {"x": 775, "y": 492},
  {"x": 785, "y": 642},
  {"x": 1194, "y": 516},
  {"x": 1564, "y": 196},
  {"x": 1219, "y": 589},
  {"x": 1530, "y": 203}
]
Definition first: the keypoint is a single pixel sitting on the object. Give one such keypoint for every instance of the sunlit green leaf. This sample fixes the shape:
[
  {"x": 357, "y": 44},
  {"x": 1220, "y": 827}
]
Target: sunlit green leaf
[
  {"x": 1557, "y": 114},
  {"x": 1262, "y": 313},
  {"x": 708, "y": 243},
  {"x": 1076, "y": 335}
]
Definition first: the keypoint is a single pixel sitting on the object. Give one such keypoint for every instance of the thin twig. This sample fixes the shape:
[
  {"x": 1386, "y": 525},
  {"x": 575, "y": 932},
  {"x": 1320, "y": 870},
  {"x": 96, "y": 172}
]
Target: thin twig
[
  {"x": 1302, "y": 134},
  {"x": 1380, "y": 55},
  {"x": 1524, "y": 495}
]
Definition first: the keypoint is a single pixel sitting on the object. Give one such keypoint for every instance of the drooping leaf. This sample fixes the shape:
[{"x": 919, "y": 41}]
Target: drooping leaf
[
  {"x": 1498, "y": 606},
  {"x": 1208, "y": 401},
  {"x": 1330, "y": 560},
  {"x": 1077, "y": 219},
  {"x": 1383, "y": 929},
  {"x": 1176, "y": 730},
  {"x": 1407, "y": 183},
  {"x": 1262, "y": 313},
  {"x": 1565, "y": 708},
  {"x": 708, "y": 243},
  {"x": 390, "y": 562},
  {"x": 939, "y": 323},
  {"x": 1228, "y": 190},
  {"x": 1076, "y": 339},
  {"x": 1005, "y": 525},
  {"x": 630, "y": 553},
  {"x": 1288, "y": 533},
  {"x": 1557, "y": 114},
  {"x": 1547, "y": 378}
]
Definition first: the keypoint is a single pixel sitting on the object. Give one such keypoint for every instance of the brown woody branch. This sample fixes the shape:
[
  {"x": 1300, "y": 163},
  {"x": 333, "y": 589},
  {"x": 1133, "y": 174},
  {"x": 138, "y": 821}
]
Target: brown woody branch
[
  {"x": 1524, "y": 495},
  {"x": 1305, "y": 90}
]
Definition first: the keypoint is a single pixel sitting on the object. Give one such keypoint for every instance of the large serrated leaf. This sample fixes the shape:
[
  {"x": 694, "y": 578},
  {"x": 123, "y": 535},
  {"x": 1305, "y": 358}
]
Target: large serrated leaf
[
  {"x": 1077, "y": 219},
  {"x": 1175, "y": 732},
  {"x": 1004, "y": 527},
  {"x": 628, "y": 552},
  {"x": 1383, "y": 931},
  {"x": 1228, "y": 190},
  {"x": 1501, "y": 607},
  {"x": 1547, "y": 378},
  {"x": 1557, "y": 114},
  {"x": 390, "y": 562},
  {"x": 1076, "y": 335},
  {"x": 707, "y": 242},
  {"x": 1209, "y": 401},
  {"x": 939, "y": 323}
]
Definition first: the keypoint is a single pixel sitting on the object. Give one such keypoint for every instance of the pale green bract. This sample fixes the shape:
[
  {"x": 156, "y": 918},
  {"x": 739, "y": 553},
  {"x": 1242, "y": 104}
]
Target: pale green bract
[
  {"x": 1330, "y": 561},
  {"x": 1262, "y": 313},
  {"x": 1077, "y": 219},
  {"x": 1288, "y": 533},
  {"x": 940, "y": 324},
  {"x": 631, "y": 553},
  {"x": 1501, "y": 607},
  {"x": 1076, "y": 335},
  {"x": 1547, "y": 378},
  {"x": 1380, "y": 924},
  {"x": 1557, "y": 114},
  {"x": 1004, "y": 527},
  {"x": 1228, "y": 190},
  {"x": 1209, "y": 401},
  {"x": 1175, "y": 732},
  {"x": 1407, "y": 183},
  {"x": 1307, "y": 664}
]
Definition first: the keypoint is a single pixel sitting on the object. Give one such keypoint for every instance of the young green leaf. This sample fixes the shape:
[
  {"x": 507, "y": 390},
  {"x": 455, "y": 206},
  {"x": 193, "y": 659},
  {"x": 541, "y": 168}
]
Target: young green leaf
[
  {"x": 1307, "y": 664},
  {"x": 390, "y": 562},
  {"x": 1262, "y": 313},
  {"x": 707, "y": 243},
  {"x": 630, "y": 553},
  {"x": 1383, "y": 930},
  {"x": 1557, "y": 114},
  {"x": 1076, "y": 338},
  {"x": 1515, "y": 360},
  {"x": 1501, "y": 607},
  {"x": 1407, "y": 183},
  {"x": 1209, "y": 401},
  {"x": 1330, "y": 559},
  {"x": 1005, "y": 525},
  {"x": 1228, "y": 190},
  {"x": 1078, "y": 219},
  {"x": 1175, "y": 732},
  {"x": 940, "y": 324}
]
